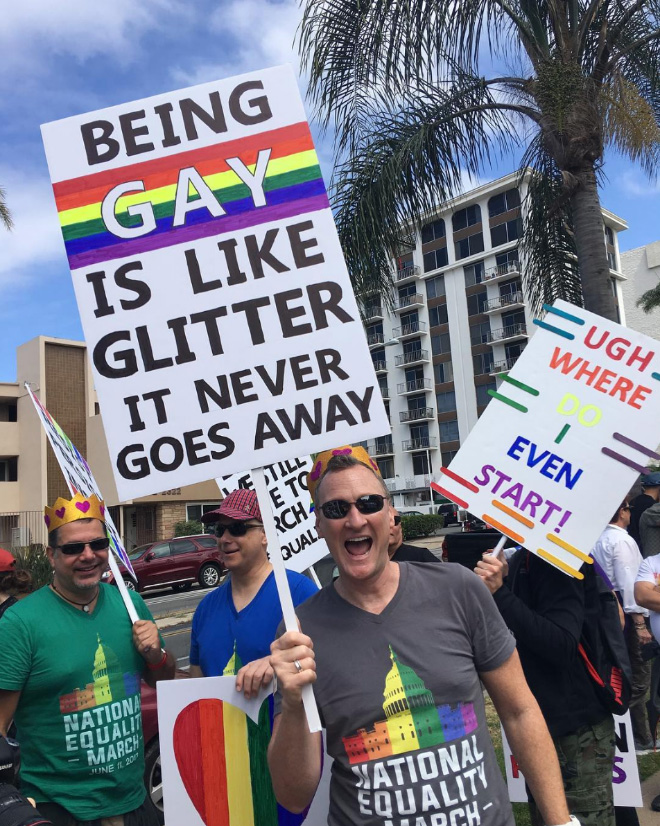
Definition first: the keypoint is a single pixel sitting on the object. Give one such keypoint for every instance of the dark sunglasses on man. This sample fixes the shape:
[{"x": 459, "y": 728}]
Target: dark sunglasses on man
[
  {"x": 339, "y": 508},
  {"x": 235, "y": 528},
  {"x": 71, "y": 548}
]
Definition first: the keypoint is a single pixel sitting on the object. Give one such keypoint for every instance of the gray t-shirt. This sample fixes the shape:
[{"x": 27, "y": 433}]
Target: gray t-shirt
[{"x": 400, "y": 698}]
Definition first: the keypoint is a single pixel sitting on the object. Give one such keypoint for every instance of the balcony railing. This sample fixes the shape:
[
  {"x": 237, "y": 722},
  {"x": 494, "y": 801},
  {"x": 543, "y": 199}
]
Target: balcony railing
[
  {"x": 409, "y": 271},
  {"x": 381, "y": 448},
  {"x": 373, "y": 311},
  {"x": 380, "y": 366},
  {"x": 419, "y": 414},
  {"x": 375, "y": 338},
  {"x": 505, "y": 301},
  {"x": 409, "y": 301},
  {"x": 501, "y": 270},
  {"x": 512, "y": 331},
  {"x": 412, "y": 386},
  {"x": 412, "y": 357},
  {"x": 422, "y": 443},
  {"x": 384, "y": 391},
  {"x": 503, "y": 366},
  {"x": 411, "y": 329}
]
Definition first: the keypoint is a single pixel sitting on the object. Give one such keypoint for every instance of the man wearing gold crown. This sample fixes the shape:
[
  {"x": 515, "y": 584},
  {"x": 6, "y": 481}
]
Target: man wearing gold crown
[{"x": 70, "y": 669}]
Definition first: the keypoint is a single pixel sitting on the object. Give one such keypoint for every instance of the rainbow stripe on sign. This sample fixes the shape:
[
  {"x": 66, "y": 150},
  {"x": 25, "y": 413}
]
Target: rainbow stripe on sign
[{"x": 293, "y": 185}]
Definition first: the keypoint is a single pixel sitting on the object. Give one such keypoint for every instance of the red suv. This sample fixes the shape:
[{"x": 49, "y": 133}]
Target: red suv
[{"x": 176, "y": 563}]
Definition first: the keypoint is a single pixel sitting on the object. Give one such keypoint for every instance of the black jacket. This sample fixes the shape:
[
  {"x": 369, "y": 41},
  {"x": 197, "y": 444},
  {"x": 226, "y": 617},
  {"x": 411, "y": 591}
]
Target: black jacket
[
  {"x": 544, "y": 608},
  {"x": 413, "y": 553},
  {"x": 637, "y": 507}
]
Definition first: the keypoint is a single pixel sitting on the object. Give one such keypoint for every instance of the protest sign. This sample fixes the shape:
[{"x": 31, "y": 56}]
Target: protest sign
[
  {"x": 301, "y": 546},
  {"x": 625, "y": 775},
  {"x": 213, "y": 745},
  {"x": 564, "y": 438},
  {"x": 216, "y": 305},
  {"x": 79, "y": 479}
]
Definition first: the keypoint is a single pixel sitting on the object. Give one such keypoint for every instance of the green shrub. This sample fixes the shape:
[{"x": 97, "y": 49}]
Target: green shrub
[
  {"x": 33, "y": 558},
  {"x": 188, "y": 528},
  {"x": 417, "y": 526}
]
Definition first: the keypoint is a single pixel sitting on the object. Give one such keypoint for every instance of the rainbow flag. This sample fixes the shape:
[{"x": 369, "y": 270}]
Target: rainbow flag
[
  {"x": 293, "y": 185},
  {"x": 221, "y": 756}
]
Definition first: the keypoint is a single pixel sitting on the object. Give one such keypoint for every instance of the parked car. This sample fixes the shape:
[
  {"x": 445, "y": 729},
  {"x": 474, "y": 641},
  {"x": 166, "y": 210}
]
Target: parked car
[
  {"x": 175, "y": 563},
  {"x": 410, "y": 513},
  {"x": 450, "y": 512}
]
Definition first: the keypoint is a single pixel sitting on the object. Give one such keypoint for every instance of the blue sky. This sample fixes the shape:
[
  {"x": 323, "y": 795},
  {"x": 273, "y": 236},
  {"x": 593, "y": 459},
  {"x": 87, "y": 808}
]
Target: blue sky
[{"x": 72, "y": 56}]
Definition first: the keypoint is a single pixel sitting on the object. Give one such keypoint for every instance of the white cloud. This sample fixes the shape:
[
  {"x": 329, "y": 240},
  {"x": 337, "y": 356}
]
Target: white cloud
[
  {"x": 36, "y": 239},
  {"x": 33, "y": 31},
  {"x": 635, "y": 184}
]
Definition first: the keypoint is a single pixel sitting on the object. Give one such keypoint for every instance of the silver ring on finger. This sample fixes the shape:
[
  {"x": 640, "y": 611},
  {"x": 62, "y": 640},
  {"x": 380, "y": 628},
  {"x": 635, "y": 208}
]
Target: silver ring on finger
[{"x": 299, "y": 667}]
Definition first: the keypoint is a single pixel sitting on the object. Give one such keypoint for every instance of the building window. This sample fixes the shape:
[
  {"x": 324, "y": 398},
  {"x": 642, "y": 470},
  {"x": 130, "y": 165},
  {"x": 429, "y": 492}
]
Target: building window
[
  {"x": 474, "y": 274},
  {"x": 440, "y": 344},
  {"x": 611, "y": 260},
  {"x": 466, "y": 217},
  {"x": 482, "y": 393},
  {"x": 407, "y": 290},
  {"x": 438, "y": 315},
  {"x": 505, "y": 232},
  {"x": 609, "y": 235},
  {"x": 503, "y": 202},
  {"x": 435, "y": 259},
  {"x": 435, "y": 287},
  {"x": 421, "y": 464},
  {"x": 480, "y": 333},
  {"x": 195, "y": 510},
  {"x": 448, "y": 457},
  {"x": 471, "y": 245},
  {"x": 477, "y": 303},
  {"x": 446, "y": 401},
  {"x": 433, "y": 231},
  {"x": 509, "y": 258},
  {"x": 443, "y": 372},
  {"x": 386, "y": 467},
  {"x": 449, "y": 431},
  {"x": 417, "y": 402},
  {"x": 482, "y": 364},
  {"x": 9, "y": 469}
]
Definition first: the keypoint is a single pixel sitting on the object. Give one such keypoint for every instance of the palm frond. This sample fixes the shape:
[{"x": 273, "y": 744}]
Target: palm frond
[
  {"x": 5, "y": 214},
  {"x": 650, "y": 300}
]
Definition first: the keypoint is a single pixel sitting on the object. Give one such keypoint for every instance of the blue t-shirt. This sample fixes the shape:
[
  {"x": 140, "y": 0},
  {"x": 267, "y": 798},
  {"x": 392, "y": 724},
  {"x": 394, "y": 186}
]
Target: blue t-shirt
[{"x": 217, "y": 626}]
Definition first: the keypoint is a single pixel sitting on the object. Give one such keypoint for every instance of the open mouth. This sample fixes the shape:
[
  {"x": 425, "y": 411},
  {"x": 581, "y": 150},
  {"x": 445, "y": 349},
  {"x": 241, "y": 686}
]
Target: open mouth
[{"x": 358, "y": 546}]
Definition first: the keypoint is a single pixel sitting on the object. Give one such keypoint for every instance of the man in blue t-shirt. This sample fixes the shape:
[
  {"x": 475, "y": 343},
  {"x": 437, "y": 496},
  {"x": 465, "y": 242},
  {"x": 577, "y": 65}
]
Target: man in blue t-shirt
[{"x": 234, "y": 625}]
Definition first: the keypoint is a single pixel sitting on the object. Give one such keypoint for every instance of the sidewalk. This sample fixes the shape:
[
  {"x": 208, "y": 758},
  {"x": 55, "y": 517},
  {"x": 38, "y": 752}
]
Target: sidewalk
[{"x": 650, "y": 789}]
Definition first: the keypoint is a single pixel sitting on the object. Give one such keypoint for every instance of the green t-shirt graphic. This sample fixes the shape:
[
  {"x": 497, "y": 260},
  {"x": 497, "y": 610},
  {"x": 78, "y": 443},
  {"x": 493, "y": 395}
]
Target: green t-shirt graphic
[{"x": 78, "y": 718}]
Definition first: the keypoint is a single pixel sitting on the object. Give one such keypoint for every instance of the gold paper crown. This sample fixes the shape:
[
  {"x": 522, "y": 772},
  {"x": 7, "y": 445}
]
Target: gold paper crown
[
  {"x": 80, "y": 507},
  {"x": 321, "y": 464}
]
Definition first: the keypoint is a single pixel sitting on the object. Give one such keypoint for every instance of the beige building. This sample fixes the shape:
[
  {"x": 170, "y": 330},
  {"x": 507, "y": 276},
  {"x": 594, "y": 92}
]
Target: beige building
[
  {"x": 59, "y": 373},
  {"x": 641, "y": 266}
]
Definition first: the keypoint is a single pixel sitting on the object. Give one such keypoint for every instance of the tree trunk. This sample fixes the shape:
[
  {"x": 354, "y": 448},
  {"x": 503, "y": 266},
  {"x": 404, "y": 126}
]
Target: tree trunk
[{"x": 590, "y": 243}]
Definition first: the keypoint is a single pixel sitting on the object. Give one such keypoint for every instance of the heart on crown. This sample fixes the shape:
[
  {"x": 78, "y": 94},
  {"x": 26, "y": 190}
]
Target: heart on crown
[
  {"x": 60, "y": 512},
  {"x": 82, "y": 506}
]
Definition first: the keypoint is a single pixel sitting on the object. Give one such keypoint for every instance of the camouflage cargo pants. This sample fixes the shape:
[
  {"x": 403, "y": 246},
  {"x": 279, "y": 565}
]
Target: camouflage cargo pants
[{"x": 586, "y": 758}]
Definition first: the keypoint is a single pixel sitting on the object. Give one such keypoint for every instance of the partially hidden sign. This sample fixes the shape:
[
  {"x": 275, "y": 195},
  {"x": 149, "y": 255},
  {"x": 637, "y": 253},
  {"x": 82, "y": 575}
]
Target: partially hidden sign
[
  {"x": 564, "y": 437},
  {"x": 216, "y": 305},
  {"x": 77, "y": 474},
  {"x": 292, "y": 508}
]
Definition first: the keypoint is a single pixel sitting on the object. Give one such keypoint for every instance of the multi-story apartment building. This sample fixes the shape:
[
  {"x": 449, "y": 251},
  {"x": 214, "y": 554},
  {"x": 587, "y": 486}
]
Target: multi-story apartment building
[
  {"x": 460, "y": 319},
  {"x": 59, "y": 373}
]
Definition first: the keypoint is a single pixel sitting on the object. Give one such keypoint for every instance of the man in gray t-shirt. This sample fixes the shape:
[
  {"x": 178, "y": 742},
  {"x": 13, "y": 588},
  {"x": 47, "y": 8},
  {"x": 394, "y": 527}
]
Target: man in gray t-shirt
[{"x": 397, "y": 656}]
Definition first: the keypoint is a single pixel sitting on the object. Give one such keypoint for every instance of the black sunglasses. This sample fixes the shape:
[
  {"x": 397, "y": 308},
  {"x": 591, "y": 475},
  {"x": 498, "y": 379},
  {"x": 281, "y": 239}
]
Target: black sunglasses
[
  {"x": 71, "y": 548},
  {"x": 397, "y": 520},
  {"x": 235, "y": 529},
  {"x": 338, "y": 508}
]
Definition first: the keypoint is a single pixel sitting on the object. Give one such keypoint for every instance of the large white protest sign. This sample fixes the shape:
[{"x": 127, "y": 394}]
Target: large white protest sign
[
  {"x": 216, "y": 305},
  {"x": 564, "y": 438},
  {"x": 213, "y": 756},
  {"x": 625, "y": 775},
  {"x": 292, "y": 505},
  {"x": 79, "y": 479}
]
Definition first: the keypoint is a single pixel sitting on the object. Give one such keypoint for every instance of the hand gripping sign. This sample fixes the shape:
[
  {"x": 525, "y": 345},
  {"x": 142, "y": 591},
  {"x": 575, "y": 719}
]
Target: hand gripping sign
[
  {"x": 79, "y": 479},
  {"x": 564, "y": 437},
  {"x": 215, "y": 301}
]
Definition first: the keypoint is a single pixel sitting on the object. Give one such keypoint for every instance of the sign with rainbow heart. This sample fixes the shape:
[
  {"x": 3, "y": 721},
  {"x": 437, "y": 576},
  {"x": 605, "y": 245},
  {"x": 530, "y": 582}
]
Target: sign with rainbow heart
[
  {"x": 215, "y": 301},
  {"x": 563, "y": 438},
  {"x": 213, "y": 745}
]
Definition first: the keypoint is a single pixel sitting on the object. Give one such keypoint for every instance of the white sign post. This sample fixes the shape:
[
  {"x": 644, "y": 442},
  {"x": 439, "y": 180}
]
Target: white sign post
[
  {"x": 216, "y": 304},
  {"x": 564, "y": 437}
]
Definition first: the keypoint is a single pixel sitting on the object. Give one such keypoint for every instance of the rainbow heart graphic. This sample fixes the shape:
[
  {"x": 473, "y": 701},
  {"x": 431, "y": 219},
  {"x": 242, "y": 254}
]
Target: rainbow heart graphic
[{"x": 221, "y": 756}]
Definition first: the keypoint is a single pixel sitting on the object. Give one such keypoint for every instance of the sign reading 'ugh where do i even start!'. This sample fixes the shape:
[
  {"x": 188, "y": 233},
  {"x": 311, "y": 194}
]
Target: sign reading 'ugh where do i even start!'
[
  {"x": 214, "y": 297},
  {"x": 564, "y": 438}
]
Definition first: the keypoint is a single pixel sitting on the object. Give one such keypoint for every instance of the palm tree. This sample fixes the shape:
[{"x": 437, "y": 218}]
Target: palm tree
[
  {"x": 5, "y": 214},
  {"x": 400, "y": 81}
]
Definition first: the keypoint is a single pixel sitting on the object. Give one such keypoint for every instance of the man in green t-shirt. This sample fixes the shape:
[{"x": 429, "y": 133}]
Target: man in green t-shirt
[{"x": 70, "y": 670}]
